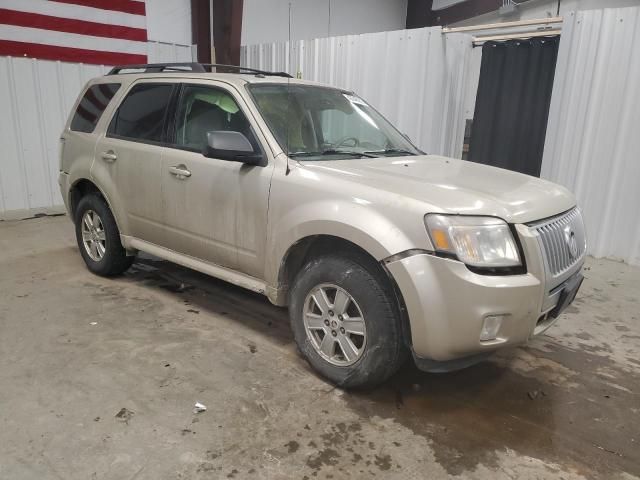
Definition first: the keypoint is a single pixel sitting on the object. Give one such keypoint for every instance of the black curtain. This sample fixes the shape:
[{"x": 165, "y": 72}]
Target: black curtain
[{"x": 512, "y": 104}]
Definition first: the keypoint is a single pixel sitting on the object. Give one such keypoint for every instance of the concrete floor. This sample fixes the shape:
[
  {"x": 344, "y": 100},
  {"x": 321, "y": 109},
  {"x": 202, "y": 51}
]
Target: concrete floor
[{"x": 99, "y": 377}]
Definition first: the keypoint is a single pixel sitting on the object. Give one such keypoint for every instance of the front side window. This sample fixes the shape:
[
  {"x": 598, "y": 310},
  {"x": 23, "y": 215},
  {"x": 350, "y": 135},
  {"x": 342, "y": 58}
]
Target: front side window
[
  {"x": 319, "y": 123},
  {"x": 90, "y": 108},
  {"x": 142, "y": 113},
  {"x": 204, "y": 109}
]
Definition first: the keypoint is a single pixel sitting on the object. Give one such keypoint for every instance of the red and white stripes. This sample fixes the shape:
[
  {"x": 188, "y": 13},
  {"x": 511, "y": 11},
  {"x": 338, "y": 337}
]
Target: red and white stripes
[{"x": 108, "y": 32}]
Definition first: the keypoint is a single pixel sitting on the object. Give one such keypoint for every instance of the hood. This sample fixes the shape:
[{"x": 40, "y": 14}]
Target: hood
[{"x": 455, "y": 186}]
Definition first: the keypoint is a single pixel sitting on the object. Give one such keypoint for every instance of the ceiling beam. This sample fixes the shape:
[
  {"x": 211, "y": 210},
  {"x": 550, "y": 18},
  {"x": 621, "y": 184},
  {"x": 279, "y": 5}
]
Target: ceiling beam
[
  {"x": 227, "y": 30},
  {"x": 200, "y": 30},
  {"x": 420, "y": 13}
]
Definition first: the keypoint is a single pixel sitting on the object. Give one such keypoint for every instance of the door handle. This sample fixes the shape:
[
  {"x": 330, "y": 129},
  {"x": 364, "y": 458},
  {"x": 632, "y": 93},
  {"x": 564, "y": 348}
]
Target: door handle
[
  {"x": 180, "y": 172},
  {"x": 109, "y": 156}
]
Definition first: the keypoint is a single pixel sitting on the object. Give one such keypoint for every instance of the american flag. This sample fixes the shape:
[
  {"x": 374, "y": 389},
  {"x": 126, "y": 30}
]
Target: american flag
[{"x": 107, "y": 32}]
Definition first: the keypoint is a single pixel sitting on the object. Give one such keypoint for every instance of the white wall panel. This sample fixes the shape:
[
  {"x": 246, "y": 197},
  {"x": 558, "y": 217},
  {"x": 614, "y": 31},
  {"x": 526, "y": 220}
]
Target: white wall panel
[
  {"x": 543, "y": 9},
  {"x": 268, "y": 21},
  {"x": 169, "y": 21},
  {"x": 592, "y": 142},
  {"x": 169, "y": 52},
  {"x": 35, "y": 99},
  {"x": 416, "y": 78}
]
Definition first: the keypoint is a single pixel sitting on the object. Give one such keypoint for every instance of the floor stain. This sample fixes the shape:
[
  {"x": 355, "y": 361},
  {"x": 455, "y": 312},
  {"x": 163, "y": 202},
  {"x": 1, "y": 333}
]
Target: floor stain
[
  {"x": 383, "y": 462},
  {"x": 583, "y": 336},
  {"x": 470, "y": 415},
  {"x": 325, "y": 457},
  {"x": 292, "y": 446}
]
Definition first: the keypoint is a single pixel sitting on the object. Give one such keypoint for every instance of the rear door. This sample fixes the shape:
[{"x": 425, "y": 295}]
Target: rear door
[
  {"x": 130, "y": 156},
  {"x": 217, "y": 212}
]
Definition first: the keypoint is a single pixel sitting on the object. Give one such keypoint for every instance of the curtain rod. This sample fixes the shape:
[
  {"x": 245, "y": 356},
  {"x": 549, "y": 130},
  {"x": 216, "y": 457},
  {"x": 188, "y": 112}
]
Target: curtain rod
[
  {"x": 514, "y": 36},
  {"x": 492, "y": 26}
]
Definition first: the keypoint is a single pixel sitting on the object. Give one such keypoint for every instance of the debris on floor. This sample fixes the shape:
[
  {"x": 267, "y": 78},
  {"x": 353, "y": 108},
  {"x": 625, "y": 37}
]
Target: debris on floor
[
  {"x": 199, "y": 408},
  {"x": 607, "y": 450},
  {"x": 125, "y": 415},
  {"x": 533, "y": 394}
]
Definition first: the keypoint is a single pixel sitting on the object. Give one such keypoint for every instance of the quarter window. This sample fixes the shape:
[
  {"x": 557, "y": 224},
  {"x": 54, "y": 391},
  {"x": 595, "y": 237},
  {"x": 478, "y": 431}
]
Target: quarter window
[
  {"x": 204, "y": 109},
  {"x": 90, "y": 108},
  {"x": 141, "y": 115}
]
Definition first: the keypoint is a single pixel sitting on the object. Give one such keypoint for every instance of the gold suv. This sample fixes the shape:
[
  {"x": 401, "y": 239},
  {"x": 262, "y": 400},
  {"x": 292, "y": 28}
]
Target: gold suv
[{"x": 306, "y": 194}]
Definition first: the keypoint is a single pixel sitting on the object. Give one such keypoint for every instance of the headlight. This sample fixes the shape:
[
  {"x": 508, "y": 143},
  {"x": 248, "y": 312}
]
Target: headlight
[{"x": 476, "y": 241}]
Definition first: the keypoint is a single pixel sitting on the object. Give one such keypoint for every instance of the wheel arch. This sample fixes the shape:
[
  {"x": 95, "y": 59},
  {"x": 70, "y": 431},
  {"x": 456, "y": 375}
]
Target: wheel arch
[
  {"x": 312, "y": 246},
  {"x": 83, "y": 186},
  {"x": 79, "y": 189}
]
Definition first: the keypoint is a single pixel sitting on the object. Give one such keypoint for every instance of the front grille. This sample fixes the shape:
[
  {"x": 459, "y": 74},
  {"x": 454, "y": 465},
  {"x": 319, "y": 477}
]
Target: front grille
[{"x": 562, "y": 240}]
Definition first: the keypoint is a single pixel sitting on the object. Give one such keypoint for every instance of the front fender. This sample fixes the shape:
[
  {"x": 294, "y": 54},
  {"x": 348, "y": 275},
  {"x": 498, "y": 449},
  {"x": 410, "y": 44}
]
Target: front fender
[{"x": 369, "y": 229}]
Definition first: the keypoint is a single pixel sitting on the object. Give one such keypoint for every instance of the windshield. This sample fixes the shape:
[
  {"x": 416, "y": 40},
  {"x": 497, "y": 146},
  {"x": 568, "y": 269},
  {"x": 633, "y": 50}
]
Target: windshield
[{"x": 320, "y": 123}]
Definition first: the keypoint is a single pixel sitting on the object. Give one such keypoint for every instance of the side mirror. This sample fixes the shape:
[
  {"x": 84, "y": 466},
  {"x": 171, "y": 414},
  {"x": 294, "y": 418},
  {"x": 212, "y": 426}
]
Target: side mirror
[{"x": 233, "y": 146}]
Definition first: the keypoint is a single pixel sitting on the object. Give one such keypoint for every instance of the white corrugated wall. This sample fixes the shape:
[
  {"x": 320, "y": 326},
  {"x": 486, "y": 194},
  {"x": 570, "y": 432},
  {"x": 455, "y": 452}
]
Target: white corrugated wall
[
  {"x": 158, "y": 52},
  {"x": 35, "y": 99},
  {"x": 593, "y": 137},
  {"x": 416, "y": 78}
]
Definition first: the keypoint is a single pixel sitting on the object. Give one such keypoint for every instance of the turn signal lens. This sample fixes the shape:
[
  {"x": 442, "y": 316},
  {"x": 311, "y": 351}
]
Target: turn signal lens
[{"x": 440, "y": 240}]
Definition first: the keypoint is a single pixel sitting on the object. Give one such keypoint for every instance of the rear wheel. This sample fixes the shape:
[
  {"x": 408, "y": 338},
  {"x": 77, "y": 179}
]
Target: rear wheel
[
  {"x": 98, "y": 237},
  {"x": 345, "y": 321}
]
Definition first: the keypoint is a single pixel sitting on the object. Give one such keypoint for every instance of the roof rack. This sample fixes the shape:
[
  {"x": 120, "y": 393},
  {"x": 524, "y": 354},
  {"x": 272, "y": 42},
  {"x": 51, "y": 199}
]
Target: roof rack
[{"x": 192, "y": 67}]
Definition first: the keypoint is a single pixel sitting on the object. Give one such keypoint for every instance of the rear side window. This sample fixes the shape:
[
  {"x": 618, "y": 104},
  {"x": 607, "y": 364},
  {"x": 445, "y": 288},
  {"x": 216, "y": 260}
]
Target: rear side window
[
  {"x": 90, "y": 108},
  {"x": 142, "y": 113}
]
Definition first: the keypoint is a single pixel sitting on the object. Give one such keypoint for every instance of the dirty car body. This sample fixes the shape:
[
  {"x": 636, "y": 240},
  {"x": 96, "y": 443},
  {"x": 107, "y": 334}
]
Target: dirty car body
[{"x": 306, "y": 194}]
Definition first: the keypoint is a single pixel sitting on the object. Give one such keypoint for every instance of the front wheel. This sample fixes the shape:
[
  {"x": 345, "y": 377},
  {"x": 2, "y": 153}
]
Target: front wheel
[{"x": 345, "y": 321}]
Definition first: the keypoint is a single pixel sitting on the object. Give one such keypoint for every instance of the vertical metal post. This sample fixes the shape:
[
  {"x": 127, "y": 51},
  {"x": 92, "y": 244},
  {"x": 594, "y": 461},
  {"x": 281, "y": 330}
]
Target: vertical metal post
[{"x": 213, "y": 47}]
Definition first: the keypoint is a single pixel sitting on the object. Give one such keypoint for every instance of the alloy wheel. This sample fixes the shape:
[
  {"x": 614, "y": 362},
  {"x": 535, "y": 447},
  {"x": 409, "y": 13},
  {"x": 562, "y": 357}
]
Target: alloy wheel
[
  {"x": 93, "y": 235},
  {"x": 335, "y": 324}
]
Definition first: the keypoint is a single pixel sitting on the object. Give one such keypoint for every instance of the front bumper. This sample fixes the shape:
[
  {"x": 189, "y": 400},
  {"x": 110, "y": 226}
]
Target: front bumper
[{"x": 447, "y": 304}]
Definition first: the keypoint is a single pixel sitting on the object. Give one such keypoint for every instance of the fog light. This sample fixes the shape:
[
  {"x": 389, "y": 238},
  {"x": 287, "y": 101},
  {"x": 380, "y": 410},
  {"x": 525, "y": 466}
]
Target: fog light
[{"x": 490, "y": 327}]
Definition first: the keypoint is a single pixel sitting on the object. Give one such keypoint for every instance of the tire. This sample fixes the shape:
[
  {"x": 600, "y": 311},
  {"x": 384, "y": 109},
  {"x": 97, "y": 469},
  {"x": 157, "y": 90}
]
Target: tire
[
  {"x": 382, "y": 350},
  {"x": 110, "y": 259}
]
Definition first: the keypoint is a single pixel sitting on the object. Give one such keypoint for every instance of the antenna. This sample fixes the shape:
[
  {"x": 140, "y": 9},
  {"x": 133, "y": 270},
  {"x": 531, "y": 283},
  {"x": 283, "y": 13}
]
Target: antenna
[{"x": 288, "y": 93}]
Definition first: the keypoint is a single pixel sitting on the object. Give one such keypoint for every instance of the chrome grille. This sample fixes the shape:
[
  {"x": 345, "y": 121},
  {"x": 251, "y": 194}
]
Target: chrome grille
[{"x": 562, "y": 240}]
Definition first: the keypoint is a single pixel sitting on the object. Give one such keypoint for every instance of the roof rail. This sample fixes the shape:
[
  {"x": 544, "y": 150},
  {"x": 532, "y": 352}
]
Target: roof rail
[{"x": 191, "y": 67}]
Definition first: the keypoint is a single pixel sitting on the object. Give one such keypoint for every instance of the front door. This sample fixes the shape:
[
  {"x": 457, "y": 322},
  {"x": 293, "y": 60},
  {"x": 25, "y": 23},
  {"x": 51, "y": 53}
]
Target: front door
[{"x": 216, "y": 210}]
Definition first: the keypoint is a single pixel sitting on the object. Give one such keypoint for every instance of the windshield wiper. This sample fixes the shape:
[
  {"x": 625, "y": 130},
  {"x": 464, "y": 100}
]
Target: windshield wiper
[
  {"x": 332, "y": 152},
  {"x": 391, "y": 151}
]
